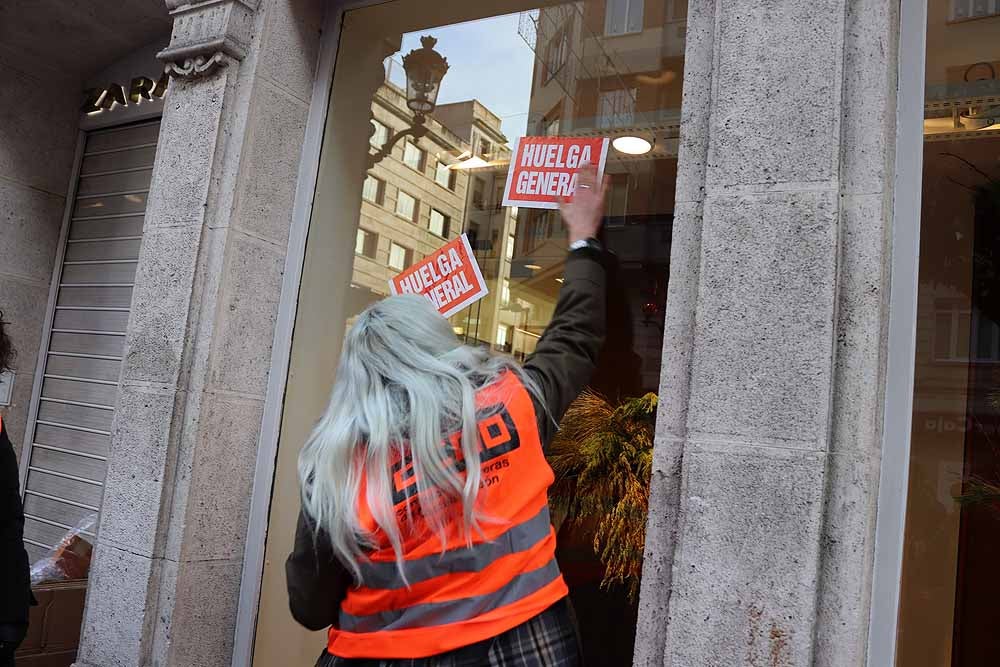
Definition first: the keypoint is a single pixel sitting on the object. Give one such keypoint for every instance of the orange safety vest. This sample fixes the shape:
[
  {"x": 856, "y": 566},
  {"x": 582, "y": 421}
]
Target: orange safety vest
[{"x": 465, "y": 594}]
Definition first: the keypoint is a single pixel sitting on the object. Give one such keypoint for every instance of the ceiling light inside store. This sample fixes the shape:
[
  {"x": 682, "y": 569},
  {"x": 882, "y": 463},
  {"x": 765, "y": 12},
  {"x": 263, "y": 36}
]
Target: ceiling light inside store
[
  {"x": 533, "y": 267},
  {"x": 632, "y": 145}
]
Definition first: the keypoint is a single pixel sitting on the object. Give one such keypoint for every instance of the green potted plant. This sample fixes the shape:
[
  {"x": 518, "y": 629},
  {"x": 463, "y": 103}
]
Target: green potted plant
[{"x": 602, "y": 457}]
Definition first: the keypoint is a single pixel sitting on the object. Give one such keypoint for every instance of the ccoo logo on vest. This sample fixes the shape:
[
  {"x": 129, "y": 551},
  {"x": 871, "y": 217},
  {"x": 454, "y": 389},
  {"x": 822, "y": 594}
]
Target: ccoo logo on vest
[
  {"x": 497, "y": 436},
  {"x": 449, "y": 277}
]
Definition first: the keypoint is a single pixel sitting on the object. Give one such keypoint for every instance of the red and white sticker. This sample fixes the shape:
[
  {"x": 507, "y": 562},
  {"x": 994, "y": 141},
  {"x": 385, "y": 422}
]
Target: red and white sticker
[
  {"x": 449, "y": 277},
  {"x": 544, "y": 169}
]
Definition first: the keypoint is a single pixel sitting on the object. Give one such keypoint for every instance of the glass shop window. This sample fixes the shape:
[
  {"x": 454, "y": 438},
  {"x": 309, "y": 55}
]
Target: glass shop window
[
  {"x": 497, "y": 89},
  {"x": 950, "y": 586}
]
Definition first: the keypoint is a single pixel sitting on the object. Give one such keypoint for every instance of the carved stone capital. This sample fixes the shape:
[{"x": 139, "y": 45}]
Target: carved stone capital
[
  {"x": 192, "y": 68},
  {"x": 206, "y": 34}
]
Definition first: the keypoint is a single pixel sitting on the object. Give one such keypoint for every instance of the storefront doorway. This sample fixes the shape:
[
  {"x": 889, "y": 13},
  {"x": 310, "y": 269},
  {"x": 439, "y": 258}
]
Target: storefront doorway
[
  {"x": 600, "y": 68},
  {"x": 952, "y": 545},
  {"x": 66, "y": 450},
  {"x": 66, "y": 456}
]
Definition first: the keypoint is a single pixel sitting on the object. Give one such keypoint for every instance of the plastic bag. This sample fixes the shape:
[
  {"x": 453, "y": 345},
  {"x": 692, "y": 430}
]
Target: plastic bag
[{"x": 70, "y": 559}]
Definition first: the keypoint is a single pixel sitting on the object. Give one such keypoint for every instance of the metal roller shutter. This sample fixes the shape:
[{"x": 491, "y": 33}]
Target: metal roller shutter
[{"x": 67, "y": 453}]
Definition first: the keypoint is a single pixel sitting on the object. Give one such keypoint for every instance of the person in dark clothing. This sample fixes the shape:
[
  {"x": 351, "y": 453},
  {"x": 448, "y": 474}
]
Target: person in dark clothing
[
  {"x": 440, "y": 595},
  {"x": 15, "y": 583}
]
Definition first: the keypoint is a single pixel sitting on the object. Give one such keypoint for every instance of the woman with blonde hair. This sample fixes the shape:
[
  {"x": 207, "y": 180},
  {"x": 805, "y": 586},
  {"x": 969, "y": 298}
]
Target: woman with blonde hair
[{"x": 424, "y": 537}]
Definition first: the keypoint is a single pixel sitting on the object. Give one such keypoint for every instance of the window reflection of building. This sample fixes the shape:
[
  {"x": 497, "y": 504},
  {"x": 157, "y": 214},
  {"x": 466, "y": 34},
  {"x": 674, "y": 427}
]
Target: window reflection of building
[
  {"x": 557, "y": 52},
  {"x": 440, "y": 223},
  {"x": 400, "y": 257},
  {"x": 486, "y": 221},
  {"x": 621, "y": 75},
  {"x": 413, "y": 157},
  {"x": 373, "y": 189},
  {"x": 424, "y": 193},
  {"x": 381, "y": 134},
  {"x": 623, "y": 16},
  {"x": 962, "y": 335},
  {"x": 616, "y": 108},
  {"x": 408, "y": 199},
  {"x": 962, "y": 10},
  {"x": 406, "y": 206},
  {"x": 367, "y": 244},
  {"x": 624, "y": 60}
]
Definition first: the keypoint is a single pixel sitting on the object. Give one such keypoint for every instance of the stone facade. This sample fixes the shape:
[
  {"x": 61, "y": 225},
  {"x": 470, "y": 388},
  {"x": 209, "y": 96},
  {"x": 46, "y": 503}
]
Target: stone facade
[
  {"x": 166, "y": 573},
  {"x": 761, "y": 534}
]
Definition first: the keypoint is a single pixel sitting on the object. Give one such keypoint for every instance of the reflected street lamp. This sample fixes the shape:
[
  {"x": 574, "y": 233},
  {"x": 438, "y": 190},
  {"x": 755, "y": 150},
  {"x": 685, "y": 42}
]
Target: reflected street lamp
[{"x": 425, "y": 68}]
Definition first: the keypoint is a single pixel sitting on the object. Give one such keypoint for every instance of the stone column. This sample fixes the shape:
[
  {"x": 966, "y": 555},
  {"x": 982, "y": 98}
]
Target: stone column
[
  {"x": 760, "y": 538},
  {"x": 165, "y": 580}
]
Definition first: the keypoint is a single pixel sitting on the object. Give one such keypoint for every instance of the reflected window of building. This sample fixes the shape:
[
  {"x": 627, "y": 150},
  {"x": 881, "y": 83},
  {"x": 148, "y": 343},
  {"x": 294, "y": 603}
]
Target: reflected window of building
[
  {"x": 381, "y": 134},
  {"x": 444, "y": 176},
  {"x": 505, "y": 338},
  {"x": 963, "y": 10},
  {"x": 551, "y": 127},
  {"x": 406, "y": 206},
  {"x": 373, "y": 189},
  {"x": 478, "y": 192},
  {"x": 623, "y": 17},
  {"x": 440, "y": 224},
  {"x": 616, "y": 108},
  {"x": 509, "y": 248},
  {"x": 414, "y": 157},
  {"x": 959, "y": 331},
  {"x": 366, "y": 244},
  {"x": 484, "y": 148},
  {"x": 556, "y": 53},
  {"x": 400, "y": 257}
]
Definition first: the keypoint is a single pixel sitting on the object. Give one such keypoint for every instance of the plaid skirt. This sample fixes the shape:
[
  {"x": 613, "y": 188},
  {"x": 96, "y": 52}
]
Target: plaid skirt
[{"x": 547, "y": 640}]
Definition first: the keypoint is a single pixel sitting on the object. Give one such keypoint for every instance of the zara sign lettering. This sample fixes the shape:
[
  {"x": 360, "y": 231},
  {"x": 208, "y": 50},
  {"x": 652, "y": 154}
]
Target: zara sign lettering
[{"x": 140, "y": 88}]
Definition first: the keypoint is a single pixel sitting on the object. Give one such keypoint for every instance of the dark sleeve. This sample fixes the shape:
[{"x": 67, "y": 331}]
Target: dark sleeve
[
  {"x": 14, "y": 580},
  {"x": 566, "y": 354},
  {"x": 317, "y": 582}
]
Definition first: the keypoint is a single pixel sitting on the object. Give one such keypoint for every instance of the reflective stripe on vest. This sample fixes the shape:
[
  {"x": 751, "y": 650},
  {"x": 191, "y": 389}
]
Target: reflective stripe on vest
[
  {"x": 521, "y": 537},
  {"x": 441, "y": 613}
]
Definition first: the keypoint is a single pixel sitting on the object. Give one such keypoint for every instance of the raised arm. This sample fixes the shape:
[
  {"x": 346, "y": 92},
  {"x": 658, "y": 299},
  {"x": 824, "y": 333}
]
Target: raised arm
[{"x": 566, "y": 354}]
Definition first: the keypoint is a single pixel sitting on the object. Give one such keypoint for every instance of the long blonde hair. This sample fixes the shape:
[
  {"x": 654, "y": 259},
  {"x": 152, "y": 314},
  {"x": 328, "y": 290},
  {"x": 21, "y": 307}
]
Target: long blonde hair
[{"x": 404, "y": 383}]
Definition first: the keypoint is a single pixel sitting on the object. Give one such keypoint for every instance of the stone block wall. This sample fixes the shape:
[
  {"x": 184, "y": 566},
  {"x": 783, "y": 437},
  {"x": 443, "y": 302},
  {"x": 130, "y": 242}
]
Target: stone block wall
[
  {"x": 166, "y": 575},
  {"x": 760, "y": 541},
  {"x": 38, "y": 127}
]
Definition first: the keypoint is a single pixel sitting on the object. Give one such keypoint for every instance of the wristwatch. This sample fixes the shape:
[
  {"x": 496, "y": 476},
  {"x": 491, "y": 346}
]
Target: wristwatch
[{"x": 591, "y": 243}]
